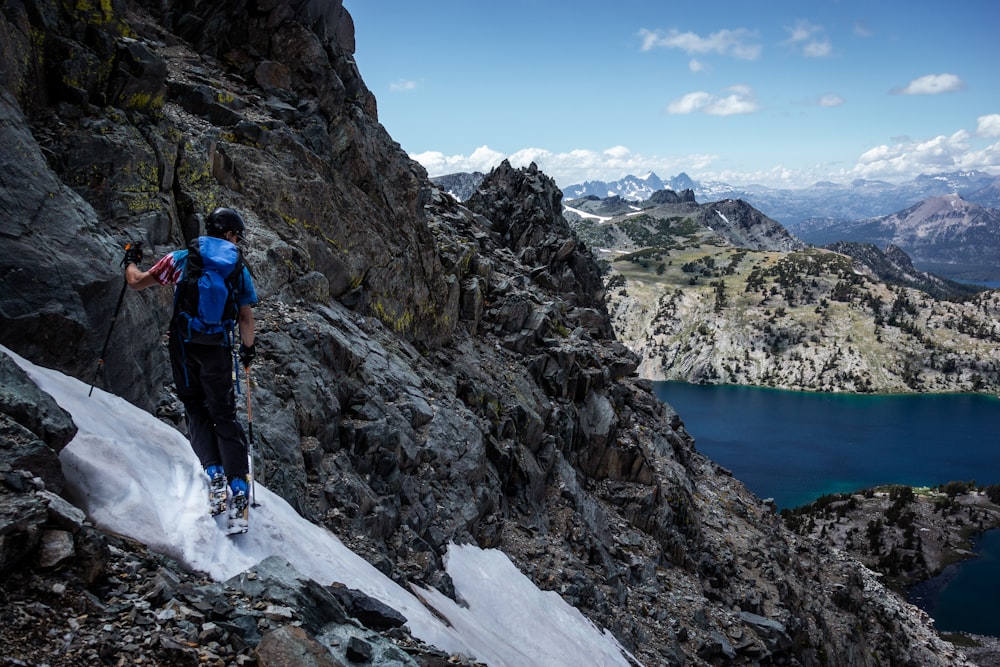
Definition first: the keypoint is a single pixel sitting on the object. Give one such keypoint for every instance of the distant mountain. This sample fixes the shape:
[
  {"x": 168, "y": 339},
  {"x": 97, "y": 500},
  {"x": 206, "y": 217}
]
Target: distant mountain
[
  {"x": 856, "y": 200},
  {"x": 670, "y": 220},
  {"x": 987, "y": 197},
  {"x": 946, "y": 235},
  {"x": 460, "y": 185},
  {"x": 636, "y": 188}
]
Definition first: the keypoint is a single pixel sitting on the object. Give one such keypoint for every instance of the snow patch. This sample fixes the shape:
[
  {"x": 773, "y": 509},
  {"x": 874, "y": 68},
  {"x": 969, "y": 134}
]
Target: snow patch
[
  {"x": 586, "y": 214},
  {"x": 134, "y": 475}
]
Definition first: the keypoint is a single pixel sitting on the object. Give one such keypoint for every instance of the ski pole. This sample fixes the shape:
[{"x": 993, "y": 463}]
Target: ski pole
[
  {"x": 118, "y": 307},
  {"x": 253, "y": 478},
  {"x": 104, "y": 350}
]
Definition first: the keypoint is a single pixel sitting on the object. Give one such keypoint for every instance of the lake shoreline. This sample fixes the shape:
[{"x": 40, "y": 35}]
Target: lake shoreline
[
  {"x": 826, "y": 392},
  {"x": 835, "y": 464}
]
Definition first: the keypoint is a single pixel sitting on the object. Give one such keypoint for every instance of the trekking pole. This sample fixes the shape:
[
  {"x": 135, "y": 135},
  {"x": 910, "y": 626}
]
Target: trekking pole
[
  {"x": 253, "y": 478},
  {"x": 104, "y": 350},
  {"x": 121, "y": 297}
]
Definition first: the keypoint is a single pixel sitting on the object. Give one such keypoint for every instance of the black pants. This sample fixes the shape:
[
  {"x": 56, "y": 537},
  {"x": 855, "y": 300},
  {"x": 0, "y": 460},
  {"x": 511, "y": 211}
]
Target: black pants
[{"x": 204, "y": 378}]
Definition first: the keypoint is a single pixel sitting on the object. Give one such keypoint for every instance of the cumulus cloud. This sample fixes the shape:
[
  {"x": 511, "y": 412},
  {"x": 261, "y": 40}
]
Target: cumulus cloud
[
  {"x": 402, "y": 86},
  {"x": 808, "y": 39},
  {"x": 735, "y": 100},
  {"x": 932, "y": 84},
  {"x": 567, "y": 168},
  {"x": 899, "y": 159},
  {"x": 830, "y": 100},
  {"x": 907, "y": 158},
  {"x": 690, "y": 103},
  {"x": 738, "y": 43},
  {"x": 697, "y": 66},
  {"x": 438, "y": 164},
  {"x": 988, "y": 126}
]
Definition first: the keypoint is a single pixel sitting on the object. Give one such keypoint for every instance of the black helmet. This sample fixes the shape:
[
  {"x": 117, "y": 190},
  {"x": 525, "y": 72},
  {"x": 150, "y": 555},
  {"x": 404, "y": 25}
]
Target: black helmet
[{"x": 223, "y": 220}]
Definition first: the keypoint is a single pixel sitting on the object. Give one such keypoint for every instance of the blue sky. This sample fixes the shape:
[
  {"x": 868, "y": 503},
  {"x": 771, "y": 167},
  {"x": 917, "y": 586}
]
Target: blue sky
[{"x": 781, "y": 93}]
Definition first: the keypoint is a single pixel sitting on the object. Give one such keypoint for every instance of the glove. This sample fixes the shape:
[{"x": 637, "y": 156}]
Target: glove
[
  {"x": 247, "y": 354},
  {"x": 133, "y": 253}
]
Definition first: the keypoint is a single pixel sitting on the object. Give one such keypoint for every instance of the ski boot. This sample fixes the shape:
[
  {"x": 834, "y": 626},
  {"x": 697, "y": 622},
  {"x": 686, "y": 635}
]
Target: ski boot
[
  {"x": 216, "y": 489},
  {"x": 239, "y": 507}
]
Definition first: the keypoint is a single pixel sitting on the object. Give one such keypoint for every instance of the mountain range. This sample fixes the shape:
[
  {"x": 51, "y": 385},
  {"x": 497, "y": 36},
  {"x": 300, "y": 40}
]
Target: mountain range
[
  {"x": 947, "y": 223},
  {"x": 946, "y": 235},
  {"x": 856, "y": 200},
  {"x": 430, "y": 373}
]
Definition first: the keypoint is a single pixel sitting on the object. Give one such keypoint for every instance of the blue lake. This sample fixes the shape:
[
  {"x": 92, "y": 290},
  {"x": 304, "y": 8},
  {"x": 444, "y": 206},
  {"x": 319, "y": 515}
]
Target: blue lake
[
  {"x": 963, "y": 597},
  {"x": 797, "y": 446}
]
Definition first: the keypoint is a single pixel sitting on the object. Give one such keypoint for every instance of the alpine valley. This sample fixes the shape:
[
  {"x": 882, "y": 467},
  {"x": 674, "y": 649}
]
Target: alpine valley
[
  {"x": 719, "y": 292},
  {"x": 431, "y": 372}
]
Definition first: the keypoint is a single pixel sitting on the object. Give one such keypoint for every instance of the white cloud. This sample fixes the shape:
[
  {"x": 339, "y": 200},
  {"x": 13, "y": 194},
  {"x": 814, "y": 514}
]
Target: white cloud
[
  {"x": 817, "y": 49},
  {"x": 438, "y": 164},
  {"x": 526, "y": 156},
  {"x": 402, "y": 86},
  {"x": 575, "y": 166},
  {"x": 802, "y": 31},
  {"x": 737, "y": 43},
  {"x": 697, "y": 66},
  {"x": 809, "y": 39},
  {"x": 932, "y": 84},
  {"x": 690, "y": 103},
  {"x": 908, "y": 158},
  {"x": 737, "y": 100},
  {"x": 830, "y": 100},
  {"x": 989, "y": 125}
]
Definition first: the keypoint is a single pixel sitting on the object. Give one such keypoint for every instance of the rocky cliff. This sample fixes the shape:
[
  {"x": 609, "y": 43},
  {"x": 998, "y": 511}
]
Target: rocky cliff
[{"x": 429, "y": 372}]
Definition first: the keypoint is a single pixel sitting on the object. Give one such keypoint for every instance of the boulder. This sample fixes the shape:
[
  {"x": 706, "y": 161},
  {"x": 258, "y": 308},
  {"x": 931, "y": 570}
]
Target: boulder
[{"x": 290, "y": 645}]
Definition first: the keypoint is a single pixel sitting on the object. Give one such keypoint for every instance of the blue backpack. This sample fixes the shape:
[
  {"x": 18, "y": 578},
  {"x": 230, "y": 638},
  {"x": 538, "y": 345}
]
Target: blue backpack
[{"x": 205, "y": 307}]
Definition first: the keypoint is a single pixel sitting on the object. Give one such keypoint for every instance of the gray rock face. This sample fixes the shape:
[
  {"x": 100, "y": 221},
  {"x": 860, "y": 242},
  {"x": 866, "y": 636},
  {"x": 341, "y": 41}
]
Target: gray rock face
[
  {"x": 428, "y": 372},
  {"x": 33, "y": 428},
  {"x": 746, "y": 227}
]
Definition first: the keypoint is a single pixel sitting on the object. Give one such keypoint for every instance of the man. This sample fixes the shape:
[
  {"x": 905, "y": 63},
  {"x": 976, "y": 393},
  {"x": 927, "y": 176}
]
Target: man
[{"x": 214, "y": 291}]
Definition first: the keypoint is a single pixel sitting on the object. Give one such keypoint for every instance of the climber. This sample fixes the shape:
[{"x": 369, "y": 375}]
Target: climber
[{"x": 213, "y": 296}]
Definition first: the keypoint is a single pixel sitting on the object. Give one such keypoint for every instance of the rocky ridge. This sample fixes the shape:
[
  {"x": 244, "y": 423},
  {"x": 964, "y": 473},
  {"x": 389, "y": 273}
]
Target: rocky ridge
[
  {"x": 907, "y": 535},
  {"x": 461, "y": 186},
  {"x": 667, "y": 218},
  {"x": 429, "y": 372},
  {"x": 756, "y": 307},
  {"x": 895, "y": 267}
]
